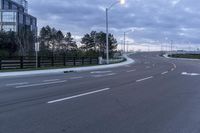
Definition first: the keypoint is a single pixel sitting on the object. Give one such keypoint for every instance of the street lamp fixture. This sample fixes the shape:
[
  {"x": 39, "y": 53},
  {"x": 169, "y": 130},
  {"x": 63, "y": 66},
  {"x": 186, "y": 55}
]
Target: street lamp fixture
[
  {"x": 122, "y": 2},
  {"x": 107, "y": 27}
]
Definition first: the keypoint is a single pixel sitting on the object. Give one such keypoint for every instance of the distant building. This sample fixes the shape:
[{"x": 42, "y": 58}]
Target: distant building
[{"x": 14, "y": 15}]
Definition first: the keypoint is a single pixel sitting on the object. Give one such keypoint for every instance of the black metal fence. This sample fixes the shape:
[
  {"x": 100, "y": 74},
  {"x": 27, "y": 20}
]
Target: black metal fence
[{"x": 27, "y": 62}]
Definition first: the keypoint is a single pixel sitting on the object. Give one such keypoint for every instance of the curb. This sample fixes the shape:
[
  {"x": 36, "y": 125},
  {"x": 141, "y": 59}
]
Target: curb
[{"x": 56, "y": 71}]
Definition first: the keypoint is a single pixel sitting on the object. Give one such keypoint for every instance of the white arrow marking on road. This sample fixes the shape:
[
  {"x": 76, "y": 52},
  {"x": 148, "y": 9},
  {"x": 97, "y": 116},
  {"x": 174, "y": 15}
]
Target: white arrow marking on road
[
  {"x": 190, "y": 74},
  {"x": 76, "y": 96}
]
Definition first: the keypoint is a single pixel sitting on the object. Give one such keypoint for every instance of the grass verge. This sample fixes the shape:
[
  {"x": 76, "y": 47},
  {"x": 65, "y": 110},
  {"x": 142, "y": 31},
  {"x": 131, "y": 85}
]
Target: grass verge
[{"x": 189, "y": 56}]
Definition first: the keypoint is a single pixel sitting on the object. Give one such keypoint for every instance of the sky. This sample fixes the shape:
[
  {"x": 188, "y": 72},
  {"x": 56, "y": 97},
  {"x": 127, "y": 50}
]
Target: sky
[{"x": 153, "y": 22}]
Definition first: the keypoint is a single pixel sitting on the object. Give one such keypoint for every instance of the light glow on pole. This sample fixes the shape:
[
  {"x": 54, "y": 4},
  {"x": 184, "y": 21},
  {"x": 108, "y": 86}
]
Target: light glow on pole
[{"x": 122, "y": 2}]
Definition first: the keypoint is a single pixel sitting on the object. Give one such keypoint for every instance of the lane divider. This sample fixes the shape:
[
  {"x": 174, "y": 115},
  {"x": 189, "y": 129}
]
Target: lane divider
[
  {"x": 76, "y": 78},
  {"x": 164, "y": 73},
  {"x": 131, "y": 71},
  {"x": 14, "y": 84},
  {"x": 79, "y": 95},
  {"x": 51, "y": 80},
  {"x": 105, "y": 75},
  {"x": 41, "y": 84},
  {"x": 140, "y": 80}
]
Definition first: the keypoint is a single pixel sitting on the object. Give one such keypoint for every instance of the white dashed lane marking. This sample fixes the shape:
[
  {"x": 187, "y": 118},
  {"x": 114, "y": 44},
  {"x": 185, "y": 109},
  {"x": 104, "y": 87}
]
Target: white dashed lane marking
[
  {"x": 131, "y": 71},
  {"x": 164, "y": 73},
  {"x": 14, "y": 84},
  {"x": 51, "y": 80},
  {"x": 140, "y": 80},
  {"x": 40, "y": 84},
  {"x": 79, "y": 95}
]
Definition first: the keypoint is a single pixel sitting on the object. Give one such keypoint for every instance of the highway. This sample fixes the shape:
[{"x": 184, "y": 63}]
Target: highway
[{"x": 153, "y": 95}]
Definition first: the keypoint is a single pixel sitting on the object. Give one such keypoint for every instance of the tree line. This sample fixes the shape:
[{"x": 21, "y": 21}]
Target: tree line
[
  {"x": 17, "y": 44},
  {"x": 54, "y": 43}
]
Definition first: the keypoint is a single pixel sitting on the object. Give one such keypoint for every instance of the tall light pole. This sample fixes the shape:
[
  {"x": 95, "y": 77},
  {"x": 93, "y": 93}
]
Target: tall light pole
[
  {"x": 171, "y": 47},
  {"x": 125, "y": 39},
  {"x": 107, "y": 26}
]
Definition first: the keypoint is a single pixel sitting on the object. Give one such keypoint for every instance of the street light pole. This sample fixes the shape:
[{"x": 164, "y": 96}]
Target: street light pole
[
  {"x": 107, "y": 45},
  {"x": 124, "y": 42},
  {"x": 125, "y": 39},
  {"x": 107, "y": 30}
]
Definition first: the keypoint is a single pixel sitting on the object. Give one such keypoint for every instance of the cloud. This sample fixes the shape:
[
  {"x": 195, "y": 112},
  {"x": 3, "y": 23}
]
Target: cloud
[{"x": 178, "y": 20}]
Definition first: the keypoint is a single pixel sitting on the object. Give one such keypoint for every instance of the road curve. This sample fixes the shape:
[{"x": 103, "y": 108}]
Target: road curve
[{"x": 151, "y": 96}]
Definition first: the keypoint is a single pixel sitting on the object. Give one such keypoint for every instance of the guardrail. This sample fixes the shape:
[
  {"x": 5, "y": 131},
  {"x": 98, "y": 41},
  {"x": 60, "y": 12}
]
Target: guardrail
[{"x": 25, "y": 62}]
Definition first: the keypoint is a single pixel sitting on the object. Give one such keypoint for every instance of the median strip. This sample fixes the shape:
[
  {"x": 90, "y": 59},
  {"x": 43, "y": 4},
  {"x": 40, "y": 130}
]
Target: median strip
[{"x": 76, "y": 96}]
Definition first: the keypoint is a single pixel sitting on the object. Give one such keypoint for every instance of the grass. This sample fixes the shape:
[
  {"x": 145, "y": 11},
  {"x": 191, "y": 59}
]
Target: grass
[{"x": 189, "y": 56}]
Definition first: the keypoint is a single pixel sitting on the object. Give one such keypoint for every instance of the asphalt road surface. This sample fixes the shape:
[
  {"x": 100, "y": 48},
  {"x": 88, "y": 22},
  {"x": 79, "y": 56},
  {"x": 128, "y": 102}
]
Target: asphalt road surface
[{"x": 154, "y": 95}]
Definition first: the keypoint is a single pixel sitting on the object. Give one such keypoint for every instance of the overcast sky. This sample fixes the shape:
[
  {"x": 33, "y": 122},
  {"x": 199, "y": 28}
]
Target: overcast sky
[{"x": 153, "y": 20}]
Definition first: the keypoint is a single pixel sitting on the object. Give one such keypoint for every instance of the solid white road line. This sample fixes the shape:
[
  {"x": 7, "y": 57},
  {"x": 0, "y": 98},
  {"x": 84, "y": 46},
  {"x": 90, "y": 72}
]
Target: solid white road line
[
  {"x": 140, "y": 80},
  {"x": 76, "y": 78},
  {"x": 130, "y": 71},
  {"x": 14, "y": 84},
  {"x": 164, "y": 73},
  {"x": 76, "y": 96},
  {"x": 40, "y": 84},
  {"x": 51, "y": 80}
]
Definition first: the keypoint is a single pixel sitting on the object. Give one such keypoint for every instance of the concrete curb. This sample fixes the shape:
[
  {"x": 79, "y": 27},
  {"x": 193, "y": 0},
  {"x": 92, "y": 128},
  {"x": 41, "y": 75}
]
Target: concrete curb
[{"x": 78, "y": 69}]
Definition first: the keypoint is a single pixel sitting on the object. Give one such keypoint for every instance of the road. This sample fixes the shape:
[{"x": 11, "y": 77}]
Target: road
[{"x": 154, "y": 95}]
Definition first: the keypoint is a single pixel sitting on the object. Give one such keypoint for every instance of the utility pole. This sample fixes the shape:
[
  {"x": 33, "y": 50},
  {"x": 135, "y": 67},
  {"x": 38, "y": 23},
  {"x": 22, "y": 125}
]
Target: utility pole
[
  {"x": 171, "y": 46},
  {"x": 124, "y": 42}
]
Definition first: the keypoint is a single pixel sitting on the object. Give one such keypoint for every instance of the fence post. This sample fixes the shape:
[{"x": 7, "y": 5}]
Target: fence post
[
  {"x": 21, "y": 62},
  {"x": 39, "y": 59},
  {"x": 74, "y": 60},
  {"x": 83, "y": 60},
  {"x": 97, "y": 60},
  {"x": 0, "y": 63},
  {"x": 52, "y": 61},
  {"x": 90, "y": 60},
  {"x": 64, "y": 60}
]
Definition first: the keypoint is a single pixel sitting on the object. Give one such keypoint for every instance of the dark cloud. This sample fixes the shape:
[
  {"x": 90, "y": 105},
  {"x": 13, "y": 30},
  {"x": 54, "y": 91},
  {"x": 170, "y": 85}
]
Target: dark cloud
[{"x": 154, "y": 20}]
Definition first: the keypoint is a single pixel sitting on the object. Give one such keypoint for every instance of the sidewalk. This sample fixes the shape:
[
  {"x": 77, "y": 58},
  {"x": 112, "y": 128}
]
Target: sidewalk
[{"x": 77, "y": 69}]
